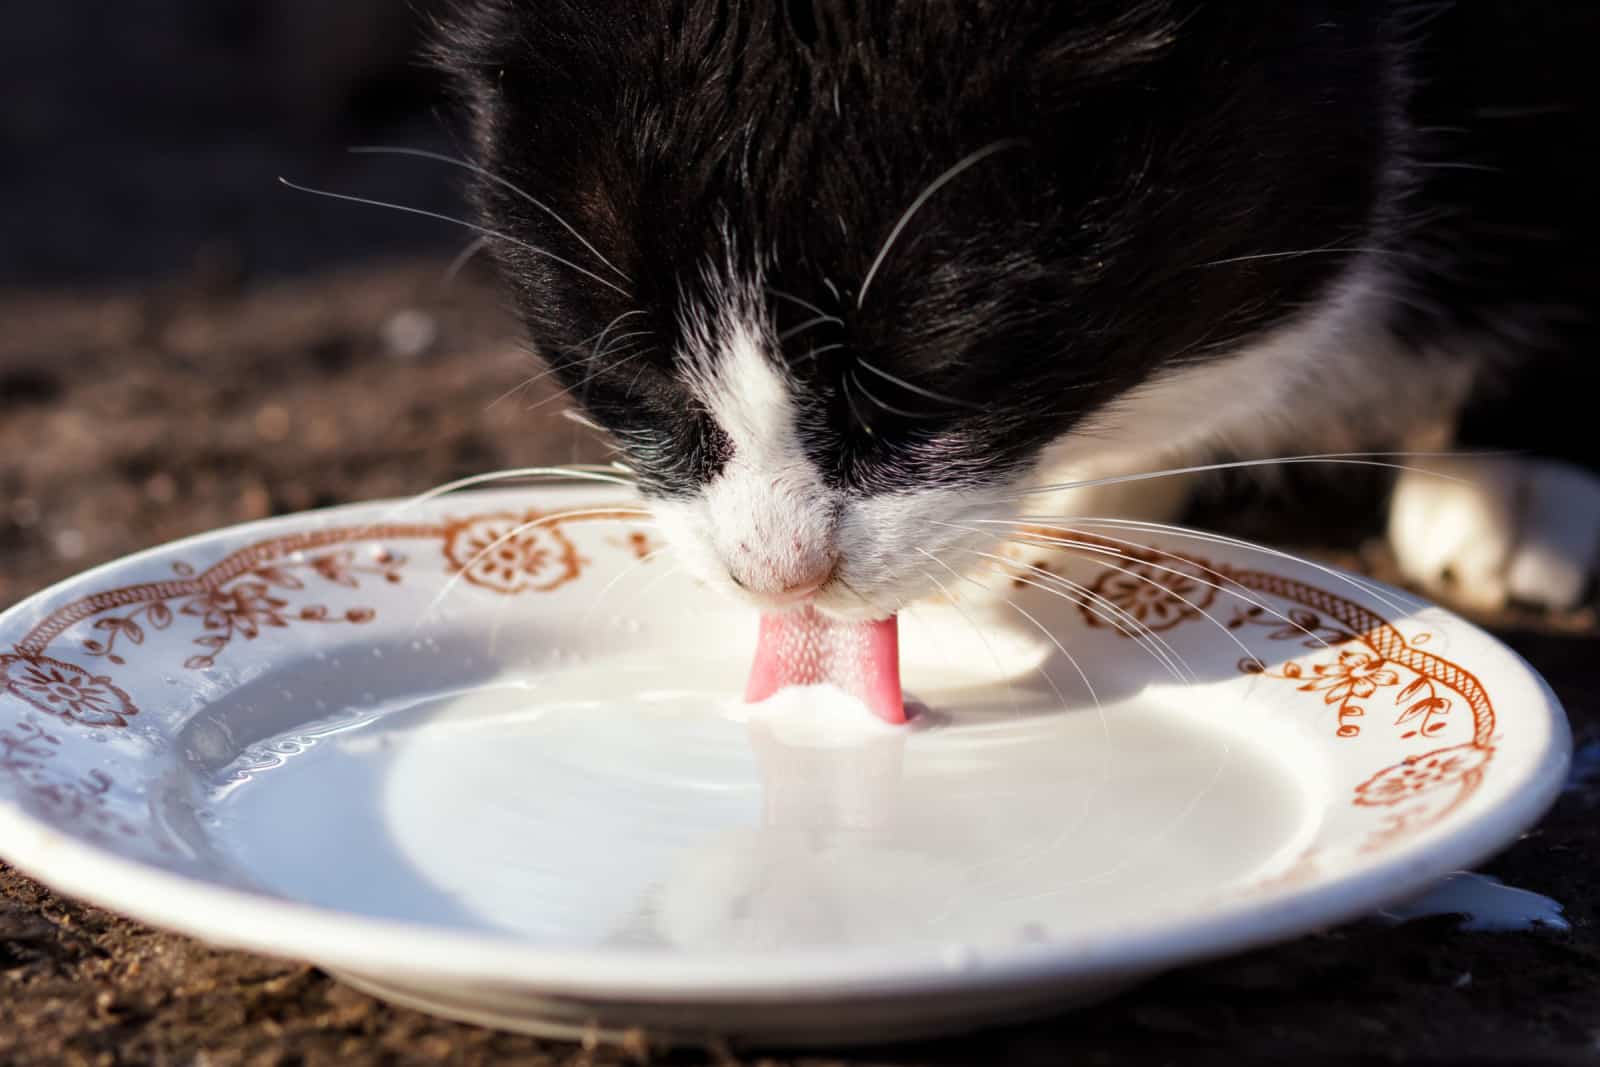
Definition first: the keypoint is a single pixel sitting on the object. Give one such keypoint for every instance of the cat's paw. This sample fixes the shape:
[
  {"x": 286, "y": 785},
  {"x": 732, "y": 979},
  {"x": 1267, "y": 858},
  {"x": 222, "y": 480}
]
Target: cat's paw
[{"x": 1483, "y": 531}]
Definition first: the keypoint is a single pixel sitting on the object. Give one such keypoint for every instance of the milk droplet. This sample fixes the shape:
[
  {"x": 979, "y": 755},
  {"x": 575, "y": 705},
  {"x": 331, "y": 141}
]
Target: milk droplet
[{"x": 1488, "y": 904}]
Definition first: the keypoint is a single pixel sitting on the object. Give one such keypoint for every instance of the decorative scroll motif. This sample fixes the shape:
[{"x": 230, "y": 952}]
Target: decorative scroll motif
[
  {"x": 270, "y": 585},
  {"x": 1362, "y": 666}
]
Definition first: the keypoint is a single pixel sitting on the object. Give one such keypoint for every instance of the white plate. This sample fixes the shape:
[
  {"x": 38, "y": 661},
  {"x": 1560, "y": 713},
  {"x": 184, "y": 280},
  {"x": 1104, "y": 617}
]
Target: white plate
[{"x": 523, "y": 791}]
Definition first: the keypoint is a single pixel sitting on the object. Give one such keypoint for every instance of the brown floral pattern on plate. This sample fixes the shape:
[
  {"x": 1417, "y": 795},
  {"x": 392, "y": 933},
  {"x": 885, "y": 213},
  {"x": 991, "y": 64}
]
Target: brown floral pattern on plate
[
  {"x": 1361, "y": 655},
  {"x": 253, "y": 590},
  {"x": 262, "y": 587}
]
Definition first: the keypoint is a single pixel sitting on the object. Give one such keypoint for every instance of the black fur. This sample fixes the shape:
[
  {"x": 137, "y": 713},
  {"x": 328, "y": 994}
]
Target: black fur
[{"x": 1143, "y": 142}]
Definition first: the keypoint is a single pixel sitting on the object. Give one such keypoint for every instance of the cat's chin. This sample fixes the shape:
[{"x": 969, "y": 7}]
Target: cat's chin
[
  {"x": 833, "y": 602},
  {"x": 847, "y": 607}
]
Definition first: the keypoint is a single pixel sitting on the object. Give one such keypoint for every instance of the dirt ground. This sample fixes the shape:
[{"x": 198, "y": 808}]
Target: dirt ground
[{"x": 151, "y": 412}]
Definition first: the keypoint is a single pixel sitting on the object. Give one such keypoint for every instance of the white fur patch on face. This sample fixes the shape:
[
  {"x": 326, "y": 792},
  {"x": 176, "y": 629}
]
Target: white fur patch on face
[
  {"x": 768, "y": 523},
  {"x": 765, "y": 523}
]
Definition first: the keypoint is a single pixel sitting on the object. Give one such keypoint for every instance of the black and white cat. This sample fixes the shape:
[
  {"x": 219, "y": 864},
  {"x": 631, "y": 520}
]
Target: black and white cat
[{"x": 844, "y": 276}]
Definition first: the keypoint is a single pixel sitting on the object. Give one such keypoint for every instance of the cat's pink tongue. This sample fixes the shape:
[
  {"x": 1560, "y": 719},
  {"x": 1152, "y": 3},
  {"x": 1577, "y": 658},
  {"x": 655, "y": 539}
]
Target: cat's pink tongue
[{"x": 806, "y": 647}]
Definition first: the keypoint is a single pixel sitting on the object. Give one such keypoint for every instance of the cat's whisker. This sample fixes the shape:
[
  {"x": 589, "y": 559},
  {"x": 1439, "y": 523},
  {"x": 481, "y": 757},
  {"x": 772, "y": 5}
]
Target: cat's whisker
[
  {"x": 1180, "y": 816},
  {"x": 463, "y": 257},
  {"x": 1099, "y": 706},
  {"x": 1226, "y": 585},
  {"x": 1114, "y": 615},
  {"x": 1106, "y": 733},
  {"x": 810, "y": 324},
  {"x": 1051, "y": 682},
  {"x": 1066, "y": 830},
  {"x": 911, "y": 388},
  {"x": 603, "y": 438},
  {"x": 439, "y": 157},
  {"x": 1367, "y": 588},
  {"x": 650, "y": 586},
  {"x": 546, "y": 370},
  {"x": 577, "y": 418},
  {"x": 587, "y": 618},
  {"x": 526, "y": 383},
  {"x": 594, "y": 338},
  {"x": 622, "y": 359},
  {"x": 580, "y": 472},
  {"x": 927, "y": 193},
  {"x": 1392, "y": 600},
  {"x": 1335, "y": 458},
  {"x": 850, "y": 399},
  {"x": 855, "y": 379},
  {"x": 853, "y": 591},
  {"x": 1300, "y": 252},
  {"x": 1011, "y": 693},
  {"x": 1174, "y": 594},
  {"x": 474, "y": 227},
  {"x": 574, "y": 416},
  {"x": 617, "y": 345},
  {"x": 1139, "y": 632}
]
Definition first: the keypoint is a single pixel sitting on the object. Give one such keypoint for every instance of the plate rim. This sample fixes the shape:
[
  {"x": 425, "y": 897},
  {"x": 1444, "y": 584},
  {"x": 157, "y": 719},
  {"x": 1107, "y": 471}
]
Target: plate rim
[{"x": 285, "y": 928}]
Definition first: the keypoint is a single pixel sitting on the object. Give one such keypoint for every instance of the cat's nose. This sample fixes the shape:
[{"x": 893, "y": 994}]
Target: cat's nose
[{"x": 788, "y": 579}]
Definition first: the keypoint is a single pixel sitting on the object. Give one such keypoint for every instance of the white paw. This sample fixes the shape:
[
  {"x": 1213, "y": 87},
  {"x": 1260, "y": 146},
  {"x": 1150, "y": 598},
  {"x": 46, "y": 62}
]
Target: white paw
[{"x": 1496, "y": 529}]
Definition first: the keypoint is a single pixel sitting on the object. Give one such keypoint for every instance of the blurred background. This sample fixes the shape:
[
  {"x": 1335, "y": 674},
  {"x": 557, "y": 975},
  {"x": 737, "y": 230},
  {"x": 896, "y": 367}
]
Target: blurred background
[
  {"x": 184, "y": 342},
  {"x": 145, "y": 136}
]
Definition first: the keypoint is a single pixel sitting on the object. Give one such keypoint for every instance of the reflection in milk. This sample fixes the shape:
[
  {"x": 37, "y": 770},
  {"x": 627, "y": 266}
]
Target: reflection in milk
[{"x": 824, "y": 867}]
